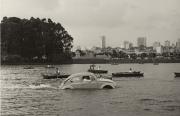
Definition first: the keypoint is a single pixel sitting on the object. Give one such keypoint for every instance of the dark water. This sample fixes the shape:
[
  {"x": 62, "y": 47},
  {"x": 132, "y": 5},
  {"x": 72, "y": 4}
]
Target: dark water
[{"x": 25, "y": 92}]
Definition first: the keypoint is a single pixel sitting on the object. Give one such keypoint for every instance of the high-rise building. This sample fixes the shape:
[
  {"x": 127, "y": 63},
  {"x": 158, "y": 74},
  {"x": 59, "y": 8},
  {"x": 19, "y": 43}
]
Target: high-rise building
[
  {"x": 178, "y": 45},
  {"x": 127, "y": 45},
  {"x": 141, "y": 41},
  {"x": 167, "y": 43},
  {"x": 103, "y": 42},
  {"x": 156, "y": 44}
]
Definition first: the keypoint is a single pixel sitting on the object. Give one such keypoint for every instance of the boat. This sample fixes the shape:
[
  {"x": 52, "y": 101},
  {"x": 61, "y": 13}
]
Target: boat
[
  {"x": 128, "y": 74},
  {"x": 114, "y": 63},
  {"x": 54, "y": 76},
  {"x": 29, "y": 67},
  {"x": 49, "y": 66},
  {"x": 96, "y": 71},
  {"x": 141, "y": 62},
  {"x": 177, "y": 74},
  {"x": 156, "y": 63}
]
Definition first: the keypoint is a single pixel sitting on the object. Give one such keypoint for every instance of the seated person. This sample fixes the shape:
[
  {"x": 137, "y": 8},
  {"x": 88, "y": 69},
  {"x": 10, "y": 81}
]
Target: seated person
[
  {"x": 86, "y": 78},
  {"x": 130, "y": 70},
  {"x": 57, "y": 71}
]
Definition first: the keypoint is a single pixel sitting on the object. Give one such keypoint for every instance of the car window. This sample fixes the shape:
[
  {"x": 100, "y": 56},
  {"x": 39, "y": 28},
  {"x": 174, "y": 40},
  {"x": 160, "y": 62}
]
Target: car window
[
  {"x": 88, "y": 78},
  {"x": 92, "y": 78}
]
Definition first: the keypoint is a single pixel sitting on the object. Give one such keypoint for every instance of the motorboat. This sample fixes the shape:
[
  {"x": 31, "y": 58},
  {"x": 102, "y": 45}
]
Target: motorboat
[
  {"x": 177, "y": 74},
  {"x": 128, "y": 74},
  {"x": 96, "y": 71},
  {"x": 87, "y": 80},
  {"x": 54, "y": 76},
  {"x": 28, "y": 67},
  {"x": 156, "y": 63},
  {"x": 114, "y": 63}
]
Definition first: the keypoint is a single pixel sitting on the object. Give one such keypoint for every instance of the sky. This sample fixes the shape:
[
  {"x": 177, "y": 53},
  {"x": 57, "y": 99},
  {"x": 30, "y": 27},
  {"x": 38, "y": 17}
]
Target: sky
[{"x": 118, "y": 20}]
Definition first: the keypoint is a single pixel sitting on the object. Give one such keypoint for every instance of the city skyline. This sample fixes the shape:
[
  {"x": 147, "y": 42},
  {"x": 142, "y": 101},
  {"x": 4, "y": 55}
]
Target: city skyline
[
  {"x": 129, "y": 44},
  {"x": 88, "y": 20}
]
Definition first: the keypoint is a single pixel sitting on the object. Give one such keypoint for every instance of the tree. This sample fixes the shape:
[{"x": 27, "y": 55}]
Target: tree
[{"x": 35, "y": 37}]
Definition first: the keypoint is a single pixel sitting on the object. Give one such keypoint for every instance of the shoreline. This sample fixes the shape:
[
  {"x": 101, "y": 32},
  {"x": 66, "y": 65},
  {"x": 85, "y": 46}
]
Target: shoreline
[{"x": 96, "y": 61}]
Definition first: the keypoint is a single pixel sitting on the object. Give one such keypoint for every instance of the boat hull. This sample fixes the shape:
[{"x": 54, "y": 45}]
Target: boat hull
[
  {"x": 54, "y": 76},
  {"x": 177, "y": 74},
  {"x": 128, "y": 74},
  {"x": 97, "y": 71}
]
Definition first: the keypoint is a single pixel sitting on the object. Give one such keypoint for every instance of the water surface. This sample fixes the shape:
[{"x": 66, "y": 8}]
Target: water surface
[{"x": 25, "y": 92}]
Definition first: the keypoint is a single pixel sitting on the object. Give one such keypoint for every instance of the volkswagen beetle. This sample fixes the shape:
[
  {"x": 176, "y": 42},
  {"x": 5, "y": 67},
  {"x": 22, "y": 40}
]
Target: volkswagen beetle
[{"x": 87, "y": 80}]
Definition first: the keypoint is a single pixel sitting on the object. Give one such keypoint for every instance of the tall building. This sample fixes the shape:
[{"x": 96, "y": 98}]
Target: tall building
[
  {"x": 156, "y": 44},
  {"x": 167, "y": 43},
  {"x": 178, "y": 45},
  {"x": 127, "y": 45},
  {"x": 141, "y": 41},
  {"x": 103, "y": 42}
]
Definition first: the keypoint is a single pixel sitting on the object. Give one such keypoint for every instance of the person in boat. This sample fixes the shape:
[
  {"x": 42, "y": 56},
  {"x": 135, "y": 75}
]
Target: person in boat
[
  {"x": 130, "y": 70},
  {"x": 92, "y": 66},
  {"x": 99, "y": 67},
  {"x": 57, "y": 71}
]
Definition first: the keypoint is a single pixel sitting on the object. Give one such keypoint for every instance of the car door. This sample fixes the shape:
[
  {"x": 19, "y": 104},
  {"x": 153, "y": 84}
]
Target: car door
[
  {"x": 76, "y": 82},
  {"x": 90, "y": 83}
]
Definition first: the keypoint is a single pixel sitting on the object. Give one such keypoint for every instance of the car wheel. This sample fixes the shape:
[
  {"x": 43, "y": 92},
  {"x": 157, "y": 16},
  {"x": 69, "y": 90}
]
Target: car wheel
[{"x": 107, "y": 87}]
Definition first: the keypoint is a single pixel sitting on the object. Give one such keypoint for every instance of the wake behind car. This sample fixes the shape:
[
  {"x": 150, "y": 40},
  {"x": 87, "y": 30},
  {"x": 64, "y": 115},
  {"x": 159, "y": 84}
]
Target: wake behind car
[{"x": 87, "y": 80}]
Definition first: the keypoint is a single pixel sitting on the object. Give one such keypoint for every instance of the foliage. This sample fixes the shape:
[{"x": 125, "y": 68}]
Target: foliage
[{"x": 35, "y": 37}]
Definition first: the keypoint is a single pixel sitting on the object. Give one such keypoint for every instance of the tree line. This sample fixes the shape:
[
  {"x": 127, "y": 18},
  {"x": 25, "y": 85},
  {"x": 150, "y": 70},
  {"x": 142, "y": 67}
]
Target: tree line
[{"x": 35, "y": 39}]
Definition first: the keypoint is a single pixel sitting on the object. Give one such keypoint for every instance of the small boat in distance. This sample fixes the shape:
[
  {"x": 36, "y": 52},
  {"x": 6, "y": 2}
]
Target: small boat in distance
[
  {"x": 96, "y": 71},
  {"x": 128, "y": 74},
  {"x": 156, "y": 63},
  {"x": 49, "y": 66},
  {"x": 141, "y": 62},
  {"x": 177, "y": 74},
  {"x": 28, "y": 67},
  {"x": 114, "y": 63}
]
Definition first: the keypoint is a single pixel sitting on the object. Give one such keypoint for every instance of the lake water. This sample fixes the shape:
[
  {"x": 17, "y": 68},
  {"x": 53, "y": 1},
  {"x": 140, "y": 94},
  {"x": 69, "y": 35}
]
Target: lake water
[{"x": 25, "y": 92}]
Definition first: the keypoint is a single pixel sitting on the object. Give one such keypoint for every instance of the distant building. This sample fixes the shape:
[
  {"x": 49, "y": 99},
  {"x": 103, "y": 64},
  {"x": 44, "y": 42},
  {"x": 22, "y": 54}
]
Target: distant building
[
  {"x": 141, "y": 41},
  {"x": 127, "y": 45},
  {"x": 96, "y": 49},
  {"x": 178, "y": 45},
  {"x": 156, "y": 44},
  {"x": 167, "y": 43},
  {"x": 173, "y": 45},
  {"x": 159, "y": 50},
  {"x": 103, "y": 42},
  {"x": 130, "y": 45}
]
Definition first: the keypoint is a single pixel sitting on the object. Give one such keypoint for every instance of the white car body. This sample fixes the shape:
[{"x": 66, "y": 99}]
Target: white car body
[{"x": 86, "y": 80}]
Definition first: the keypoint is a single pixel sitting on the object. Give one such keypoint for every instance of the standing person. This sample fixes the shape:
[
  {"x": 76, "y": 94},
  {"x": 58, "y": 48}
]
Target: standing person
[
  {"x": 57, "y": 71},
  {"x": 130, "y": 70},
  {"x": 98, "y": 67}
]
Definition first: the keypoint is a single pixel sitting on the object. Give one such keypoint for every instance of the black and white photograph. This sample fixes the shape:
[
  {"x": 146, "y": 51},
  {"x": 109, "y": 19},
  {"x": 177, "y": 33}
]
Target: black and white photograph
[{"x": 90, "y": 58}]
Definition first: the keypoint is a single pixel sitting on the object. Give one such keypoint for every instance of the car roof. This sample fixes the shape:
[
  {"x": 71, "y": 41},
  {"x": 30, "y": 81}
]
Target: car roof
[{"x": 79, "y": 74}]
